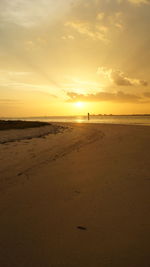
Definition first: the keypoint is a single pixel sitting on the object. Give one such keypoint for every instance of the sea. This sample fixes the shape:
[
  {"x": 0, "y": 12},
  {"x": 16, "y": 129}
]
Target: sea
[{"x": 105, "y": 119}]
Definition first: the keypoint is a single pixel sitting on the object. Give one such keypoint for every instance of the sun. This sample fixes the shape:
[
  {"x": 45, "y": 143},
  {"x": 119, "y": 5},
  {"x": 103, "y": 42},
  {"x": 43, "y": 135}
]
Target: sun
[{"x": 79, "y": 104}]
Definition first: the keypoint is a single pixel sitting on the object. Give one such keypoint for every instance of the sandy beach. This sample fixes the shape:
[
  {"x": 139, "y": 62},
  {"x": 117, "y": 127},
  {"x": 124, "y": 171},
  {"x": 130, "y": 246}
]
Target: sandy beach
[{"x": 75, "y": 195}]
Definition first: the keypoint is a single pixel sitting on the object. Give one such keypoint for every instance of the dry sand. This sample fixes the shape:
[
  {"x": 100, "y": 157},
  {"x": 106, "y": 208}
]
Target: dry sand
[{"x": 78, "y": 198}]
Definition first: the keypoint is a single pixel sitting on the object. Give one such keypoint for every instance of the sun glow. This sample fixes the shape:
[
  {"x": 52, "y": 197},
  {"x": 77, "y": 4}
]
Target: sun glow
[{"x": 79, "y": 105}]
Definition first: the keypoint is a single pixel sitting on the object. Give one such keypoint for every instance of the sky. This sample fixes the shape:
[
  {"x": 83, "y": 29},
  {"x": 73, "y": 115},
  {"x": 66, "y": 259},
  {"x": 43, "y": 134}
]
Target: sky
[{"x": 70, "y": 57}]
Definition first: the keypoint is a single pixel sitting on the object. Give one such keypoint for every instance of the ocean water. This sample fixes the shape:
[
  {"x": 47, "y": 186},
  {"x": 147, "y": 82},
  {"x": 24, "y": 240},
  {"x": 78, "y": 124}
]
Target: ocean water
[{"x": 107, "y": 119}]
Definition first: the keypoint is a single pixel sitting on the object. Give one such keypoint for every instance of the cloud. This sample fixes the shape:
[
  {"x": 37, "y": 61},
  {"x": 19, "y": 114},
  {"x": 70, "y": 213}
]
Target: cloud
[
  {"x": 11, "y": 74},
  {"x": 95, "y": 24},
  {"x": 68, "y": 37},
  {"x": 44, "y": 94},
  {"x": 147, "y": 94},
  {"x": 144, "y": 83},
  {"x": 119, "y": 78},
  {"x": 9, "y": 101},
  {"x": 116, "y": 20},
  {"x": 15, "y": 97},
  {"x": 29, "y": 13},
  {"x": 104, "y": 96},
  {"x": 139, "y": 2},
  {"x": 86, "y": 28}
]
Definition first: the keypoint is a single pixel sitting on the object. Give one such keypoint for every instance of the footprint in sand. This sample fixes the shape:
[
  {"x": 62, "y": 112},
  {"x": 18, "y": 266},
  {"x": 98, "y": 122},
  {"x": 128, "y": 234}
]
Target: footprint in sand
[
  {"x": 81, "y": 228},
  {"x": 77, "y": 192}
]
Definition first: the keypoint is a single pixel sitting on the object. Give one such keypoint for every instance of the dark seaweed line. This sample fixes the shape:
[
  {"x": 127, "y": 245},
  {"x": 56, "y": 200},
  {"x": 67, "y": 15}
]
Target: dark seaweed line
[{"x": 60, "y": 129}]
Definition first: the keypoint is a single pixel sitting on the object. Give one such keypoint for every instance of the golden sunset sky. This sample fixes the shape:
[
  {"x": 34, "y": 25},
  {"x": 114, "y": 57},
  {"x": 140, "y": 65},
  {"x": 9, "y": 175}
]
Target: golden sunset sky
[{"x": 69, "y": 57}]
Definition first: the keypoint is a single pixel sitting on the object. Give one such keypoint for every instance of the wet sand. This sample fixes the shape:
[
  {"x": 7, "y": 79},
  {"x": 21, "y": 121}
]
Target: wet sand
[{"x": 75, "y": 195}]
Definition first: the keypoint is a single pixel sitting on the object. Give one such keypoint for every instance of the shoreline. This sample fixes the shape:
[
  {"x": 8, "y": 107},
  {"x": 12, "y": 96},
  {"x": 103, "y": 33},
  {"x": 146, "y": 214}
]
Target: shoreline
[
  {"x": 42, "y": 130},
  {"x": 39, "y": 123}
]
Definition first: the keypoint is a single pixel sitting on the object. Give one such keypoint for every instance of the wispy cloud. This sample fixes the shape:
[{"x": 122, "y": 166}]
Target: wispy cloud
[
  {"x": 99, "y": 27},
  {"x": 139, "y": 2},
  {"x": 28, "y": 13},
  {"x": 85, "y": 28},
  {"x": 104, "y": 96},
  {"x": 9, "y": 101},
  {"x": 9, "y": 73}
]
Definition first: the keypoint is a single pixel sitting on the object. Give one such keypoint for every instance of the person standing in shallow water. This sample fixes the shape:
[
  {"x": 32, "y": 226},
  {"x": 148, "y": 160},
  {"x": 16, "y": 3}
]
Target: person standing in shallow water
[{"x": 88, "y": 116}]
